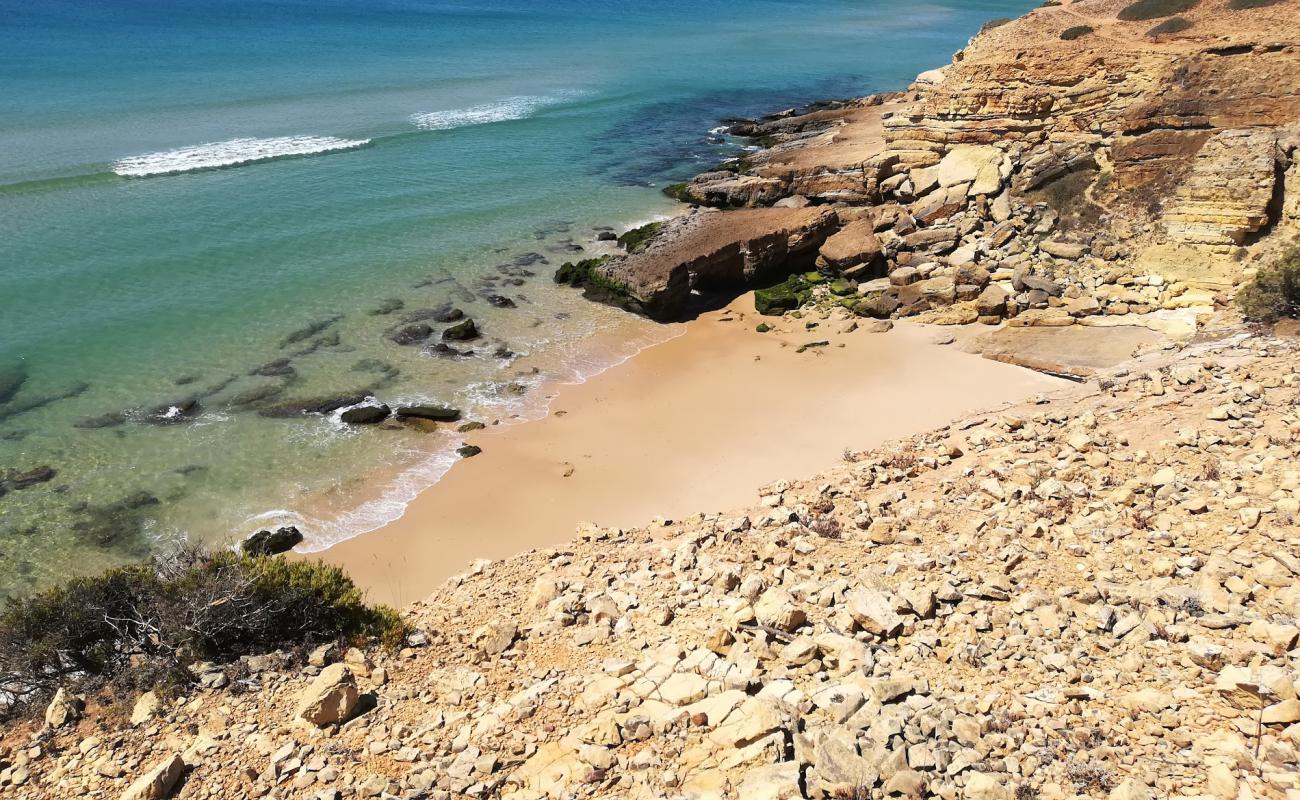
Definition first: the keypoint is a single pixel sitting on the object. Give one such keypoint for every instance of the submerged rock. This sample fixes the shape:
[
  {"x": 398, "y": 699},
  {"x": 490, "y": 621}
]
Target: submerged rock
[
  {"x": 114, "y": 523},
  {"x": 269, "y": 543},
  {"x": 12, "y": 479},
  {"x": 11, "y": 380},
  {"x": 256, "y": 395},
  {"x": 443, "y": 350},
  {"x": 110, "y": 420},
  {"x": 175, "y": 412},
  {"x": 435, "y": 413},
  {"x": 309, "y": 330},
  {"x": 16, "y": 408},
  {"x": 387, "y": 307},
  {"x": 281, "y": 367},
  {"x": 461, "y": 331},
  {"x": 316, "y": 405},
  {"x": 365, "y": 415},
  {"x": 411, "y": 334}
]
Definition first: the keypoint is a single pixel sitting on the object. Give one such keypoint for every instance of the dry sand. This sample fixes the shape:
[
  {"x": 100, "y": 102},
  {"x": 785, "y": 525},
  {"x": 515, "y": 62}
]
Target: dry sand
[{"x": 695, "y": 424}]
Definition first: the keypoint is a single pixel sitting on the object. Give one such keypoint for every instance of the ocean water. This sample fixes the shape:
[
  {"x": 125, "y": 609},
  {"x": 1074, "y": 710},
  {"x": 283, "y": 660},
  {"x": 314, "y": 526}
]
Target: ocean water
[{"x": 208, "y": 208}]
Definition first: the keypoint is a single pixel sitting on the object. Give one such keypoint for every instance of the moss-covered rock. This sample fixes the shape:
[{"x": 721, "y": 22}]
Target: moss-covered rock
[
  {"x": 843, "y": 288},
  {"x": 762, "y": 327},
  {"x": 680, "y": 192},
  {"x": 638, "y": 239},
  {"x": 595, "y": 285},
  {"x": 785, "y": 296}
]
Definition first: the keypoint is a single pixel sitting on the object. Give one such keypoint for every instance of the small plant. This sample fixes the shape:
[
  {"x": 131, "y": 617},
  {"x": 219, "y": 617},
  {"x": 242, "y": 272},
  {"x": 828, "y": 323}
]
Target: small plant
[
  {"x": 1155, "y": 9},
  {"x": 140, "y": 626},
  {"x": 1026, "y": 792},
  {"x": 1241, "y": 5},
  {"x": 1090, "y": 777},
  {"x": 1275, "y": 291},
  {"x": 1170, "y": 26},
  {"x": 1076, "y": 32}
]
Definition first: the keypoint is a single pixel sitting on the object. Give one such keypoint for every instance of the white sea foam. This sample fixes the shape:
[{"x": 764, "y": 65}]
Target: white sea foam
[
  {"x": 510, "y": 108},
  {"x": 229, "y": 154}
]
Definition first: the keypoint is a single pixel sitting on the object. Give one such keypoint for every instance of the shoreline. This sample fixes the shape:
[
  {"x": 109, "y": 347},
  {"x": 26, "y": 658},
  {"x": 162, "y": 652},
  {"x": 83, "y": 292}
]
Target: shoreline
[{"x": 698, "y": 422}]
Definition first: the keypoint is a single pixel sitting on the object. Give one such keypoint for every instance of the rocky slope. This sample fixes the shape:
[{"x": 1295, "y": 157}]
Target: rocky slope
[{"x": 1053, "y": 600}]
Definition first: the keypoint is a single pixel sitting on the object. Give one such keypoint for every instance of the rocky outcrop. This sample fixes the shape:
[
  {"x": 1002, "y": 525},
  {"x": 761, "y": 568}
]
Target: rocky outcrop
[
  {"x": 1226, "y": 195},
  {"x": 716, "y": 251}
]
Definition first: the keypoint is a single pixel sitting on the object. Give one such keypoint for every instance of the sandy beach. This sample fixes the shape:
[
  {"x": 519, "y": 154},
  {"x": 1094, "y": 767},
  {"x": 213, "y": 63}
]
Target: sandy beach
[{"x": 697, "y": 423}]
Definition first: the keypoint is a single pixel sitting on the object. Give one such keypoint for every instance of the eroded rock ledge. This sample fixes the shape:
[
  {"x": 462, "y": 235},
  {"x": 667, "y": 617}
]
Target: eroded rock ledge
[{"x": 1045, "y": 172}]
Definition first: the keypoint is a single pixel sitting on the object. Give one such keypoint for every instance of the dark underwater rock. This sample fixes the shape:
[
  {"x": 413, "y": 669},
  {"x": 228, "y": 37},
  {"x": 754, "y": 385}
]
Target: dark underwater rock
[
  {"x": 411, "y": 334},
  {"x": 462, "y": 331},
  {"x": 279, "y": 368},
  {"x": 256, "y": 395},
  {"x": 435, "y": 413},
  {"x": 114, "y": 524},
  {"x": 12, "y": 479},
  {"x": 175, "y": 412},
  {"x": 309, "y": 330},
  {"x": 387, "y": 307},
  {"x": 110, "y": 420},
  {"x": 315, "y": 405},
  {"x": 365, "y": 415},
  {"x": 11, "y": 380}
]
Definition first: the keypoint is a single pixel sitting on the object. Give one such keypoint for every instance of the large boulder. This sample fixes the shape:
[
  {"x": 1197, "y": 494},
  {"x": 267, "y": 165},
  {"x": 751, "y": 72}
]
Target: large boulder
[
  {"x": 64, "y": 709},
  {"x": 874, "y": 613},
  {"x": 984, "y": 167},
  {"x": 157, "y": 783},
  {"x": 331, "y": 698},
  {"x": 269, "y": 543},
  {"x": 727, "y": 251},
  {"x": 777, "y": 609},
  {"x": 854, "y": 249}
]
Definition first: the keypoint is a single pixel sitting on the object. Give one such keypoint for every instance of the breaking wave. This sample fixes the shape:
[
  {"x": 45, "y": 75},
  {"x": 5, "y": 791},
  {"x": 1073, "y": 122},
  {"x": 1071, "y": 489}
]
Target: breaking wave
[
  {"x": 501, "y": 111},
  {"x": 230, "y": 153}
]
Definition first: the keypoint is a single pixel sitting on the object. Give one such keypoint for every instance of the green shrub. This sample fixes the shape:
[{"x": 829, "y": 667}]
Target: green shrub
[
  {"x": 997, "y": 22},
  {"x": 1241, "y": 5},
  {"x": 1155, "y": 9},
  {"x": 1078, "y": 31},
  {"x": 1275, "y": 291},
  {"x": 140, "y": 626},
  {"x": 1171, "y": 25}
]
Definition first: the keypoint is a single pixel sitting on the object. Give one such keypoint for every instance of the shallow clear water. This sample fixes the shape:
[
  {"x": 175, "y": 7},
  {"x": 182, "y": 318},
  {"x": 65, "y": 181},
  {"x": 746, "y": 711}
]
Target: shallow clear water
[{"x": 427, "y": 149}]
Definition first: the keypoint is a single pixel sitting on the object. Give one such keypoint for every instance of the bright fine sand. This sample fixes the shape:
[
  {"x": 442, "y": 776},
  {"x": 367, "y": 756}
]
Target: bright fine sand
[{"x": 695, "y": 424}]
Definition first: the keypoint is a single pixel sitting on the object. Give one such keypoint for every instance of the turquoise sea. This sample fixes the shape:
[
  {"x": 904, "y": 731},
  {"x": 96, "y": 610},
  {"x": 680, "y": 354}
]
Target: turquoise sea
[{"x": 208, "y": 209}]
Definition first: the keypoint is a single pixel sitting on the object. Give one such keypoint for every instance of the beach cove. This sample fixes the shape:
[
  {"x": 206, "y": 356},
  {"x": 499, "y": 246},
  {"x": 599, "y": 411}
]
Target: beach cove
[{"x": 698, "y": 423}]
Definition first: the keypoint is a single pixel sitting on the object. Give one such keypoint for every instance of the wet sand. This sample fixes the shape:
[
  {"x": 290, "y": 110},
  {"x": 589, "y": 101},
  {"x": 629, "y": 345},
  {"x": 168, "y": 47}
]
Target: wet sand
[{"x": 695, "y": 424}]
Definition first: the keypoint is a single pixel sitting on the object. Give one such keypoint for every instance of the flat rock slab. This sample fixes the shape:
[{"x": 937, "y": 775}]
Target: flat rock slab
[{"x": 1075, "y": 350}]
